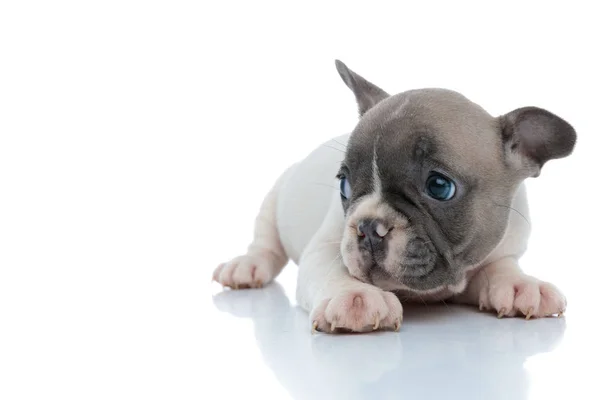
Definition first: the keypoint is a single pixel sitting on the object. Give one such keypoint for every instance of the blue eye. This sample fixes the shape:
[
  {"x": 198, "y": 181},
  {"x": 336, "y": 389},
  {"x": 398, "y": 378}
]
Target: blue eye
[
  {"x": 440, "y": 187},
  {"x": 345, "y": 190}
]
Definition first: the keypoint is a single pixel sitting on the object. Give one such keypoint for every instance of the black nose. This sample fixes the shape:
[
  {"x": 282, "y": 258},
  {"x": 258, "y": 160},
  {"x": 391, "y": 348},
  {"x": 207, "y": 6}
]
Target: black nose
[{"x": 371, "y": 234}]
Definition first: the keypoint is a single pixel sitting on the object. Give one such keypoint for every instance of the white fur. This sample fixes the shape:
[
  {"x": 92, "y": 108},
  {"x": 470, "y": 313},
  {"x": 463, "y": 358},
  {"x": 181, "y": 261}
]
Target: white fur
[
  {"x": 302, "y": 218},
  {"x": 376, "y": 177},
  {"x": 372, "y": 207}
]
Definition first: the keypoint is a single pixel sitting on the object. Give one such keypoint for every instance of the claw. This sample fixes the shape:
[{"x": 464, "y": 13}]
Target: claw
[
  {"x": 236, "y": 286},
  {"x": 397, "y": 325},
  {"x": 480, "y": 306},
  {"x": 502, "y": 312},
  {"x": 259, "y": 283},
  {"x": 314, "y": 327},
  {"x": 216, "y": 275},
  {"x": 529, "y": 313},
  {"x": 560, "y": 314},
  {"x": 376, "y": 322},
  {"x": 333, "y": 326}
]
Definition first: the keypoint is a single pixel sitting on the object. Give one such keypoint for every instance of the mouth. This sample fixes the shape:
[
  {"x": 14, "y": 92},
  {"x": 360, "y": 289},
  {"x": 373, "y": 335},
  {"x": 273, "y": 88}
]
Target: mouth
[
  {"x": 380, "y": 246},
  {"x": 406, "y": 275},
  {"x": 416, "y": 281}
]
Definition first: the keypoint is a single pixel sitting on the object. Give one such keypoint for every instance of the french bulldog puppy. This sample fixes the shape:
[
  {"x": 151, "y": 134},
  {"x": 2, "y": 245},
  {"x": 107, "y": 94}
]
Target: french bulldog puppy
[{"x": 431, "y": 206}]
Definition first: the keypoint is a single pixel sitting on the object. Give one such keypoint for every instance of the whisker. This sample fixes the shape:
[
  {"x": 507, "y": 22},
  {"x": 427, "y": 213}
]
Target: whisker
[
  {"x": 340, "y": 143},
  {"x": 335, "y": 148},
  {"x": 515, "y": 210},
  {"x": 446, "y": 304},
  {"x": 487, "y": 277},
  {"x": 421, "y": 298},
  {"x": 339, "y": 256},
  {"x": 408, "y": 219}
]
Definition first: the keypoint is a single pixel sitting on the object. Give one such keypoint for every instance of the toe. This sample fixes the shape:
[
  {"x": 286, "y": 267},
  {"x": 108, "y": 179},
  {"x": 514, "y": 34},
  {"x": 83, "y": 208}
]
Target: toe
[
  {"x": 261, "y": 275},
  {"x": 527, "y": 299},
  {"x": 226, "y": 274},
  {"x": 243, "y": 274},
  {"x": 217, "y": 272},
  {"x": 317, "y": 318},
  {"x": 393, "y": 319},
  {"x": 356, "y": 311},
  {"x": 552, "y": 300},
  {"x": 501, "y": 299}
]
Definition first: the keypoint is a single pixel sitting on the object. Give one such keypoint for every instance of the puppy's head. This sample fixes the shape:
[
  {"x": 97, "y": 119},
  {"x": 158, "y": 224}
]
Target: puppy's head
[{"x": 428, "y": 179}]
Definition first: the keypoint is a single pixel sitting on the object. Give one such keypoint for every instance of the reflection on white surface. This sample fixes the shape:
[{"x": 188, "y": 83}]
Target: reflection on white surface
[
  {"x": 138, "y": 139},
  {"x": 442, "y": 351}
]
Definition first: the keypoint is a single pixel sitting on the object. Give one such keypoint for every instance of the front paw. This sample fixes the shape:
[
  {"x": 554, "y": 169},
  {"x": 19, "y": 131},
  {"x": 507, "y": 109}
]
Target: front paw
[
  {"x": 522, "y": 296},
  {"x": 359, "y": 310},
  {"x": 247, "y": 271}
]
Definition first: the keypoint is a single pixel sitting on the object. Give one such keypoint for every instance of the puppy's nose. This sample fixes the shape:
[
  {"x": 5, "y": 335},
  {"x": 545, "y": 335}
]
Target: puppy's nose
[{"x": 371, "y": 233}]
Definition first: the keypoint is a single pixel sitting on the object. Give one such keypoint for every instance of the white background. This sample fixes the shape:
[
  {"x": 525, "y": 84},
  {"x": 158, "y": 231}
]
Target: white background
[{"x": 137, "y": 139}]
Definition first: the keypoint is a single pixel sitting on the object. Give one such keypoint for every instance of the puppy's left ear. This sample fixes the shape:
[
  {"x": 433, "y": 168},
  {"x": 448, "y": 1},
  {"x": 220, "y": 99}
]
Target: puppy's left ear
[
  {"x": 532, "y": 136},
  {"x": 366, "y": 93}
]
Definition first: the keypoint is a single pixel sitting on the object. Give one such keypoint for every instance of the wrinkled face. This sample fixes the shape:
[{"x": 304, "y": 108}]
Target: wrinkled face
[
  {"x": 425, "y": 191},
  {"x": 428, "y": 180}
]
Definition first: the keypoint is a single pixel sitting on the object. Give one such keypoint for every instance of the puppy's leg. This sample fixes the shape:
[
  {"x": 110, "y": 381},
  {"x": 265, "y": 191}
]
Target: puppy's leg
[
  {"x": 502, "y": 287},
  {"x": 265, "y": 257},
  {"x": 333, "y": 297}
]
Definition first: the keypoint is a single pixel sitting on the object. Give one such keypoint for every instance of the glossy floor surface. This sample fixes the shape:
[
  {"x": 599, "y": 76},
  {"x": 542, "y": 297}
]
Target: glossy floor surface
[
  {"x": 139, "y": 138},
  {"x": 442, "y": 352}
]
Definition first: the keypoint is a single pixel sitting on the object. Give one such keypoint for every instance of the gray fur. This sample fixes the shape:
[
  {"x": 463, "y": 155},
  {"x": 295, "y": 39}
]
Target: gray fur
[
  {"x": 367, "y": 94},
  {"x": 426, "y": 130}
]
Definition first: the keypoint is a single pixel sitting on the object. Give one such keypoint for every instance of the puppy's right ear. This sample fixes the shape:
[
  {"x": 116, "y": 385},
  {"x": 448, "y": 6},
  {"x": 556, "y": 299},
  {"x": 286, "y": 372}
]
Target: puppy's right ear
[{"x": 367, "y": 94}]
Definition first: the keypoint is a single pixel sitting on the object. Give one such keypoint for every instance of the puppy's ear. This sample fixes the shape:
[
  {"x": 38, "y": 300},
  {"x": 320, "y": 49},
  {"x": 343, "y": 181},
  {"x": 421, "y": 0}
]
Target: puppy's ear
[
  {"x": 532, "y": 136},
  {"x": 367, "y": 94}
]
